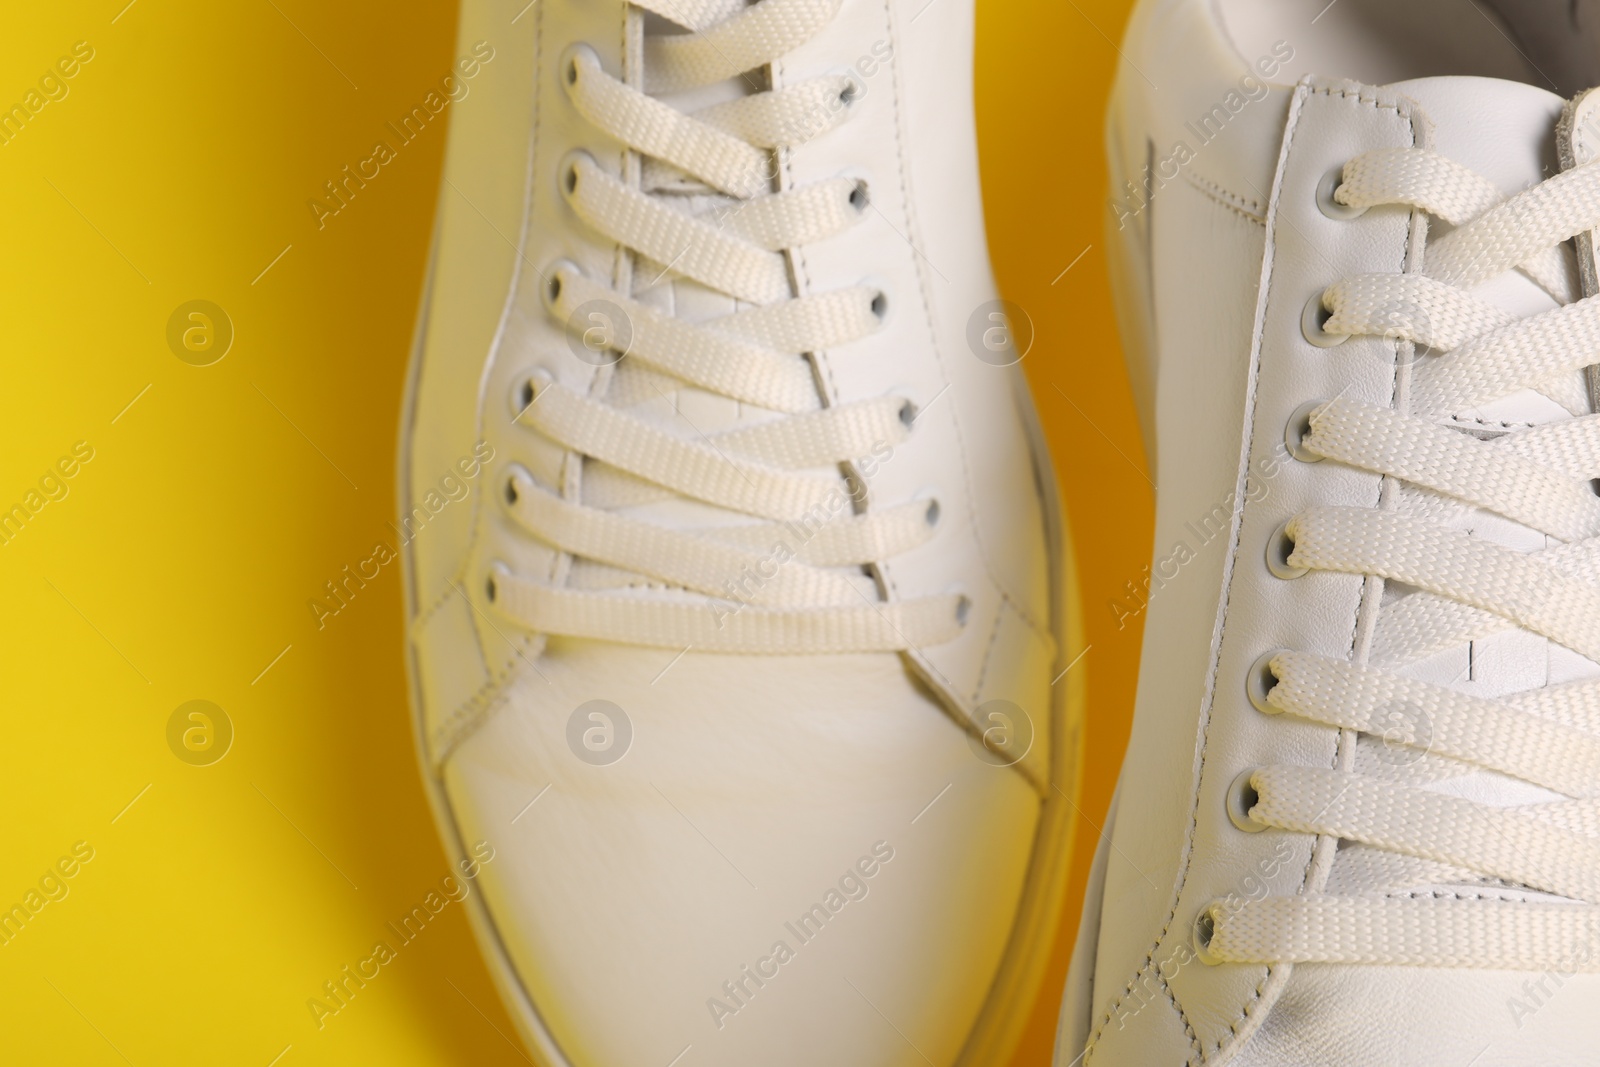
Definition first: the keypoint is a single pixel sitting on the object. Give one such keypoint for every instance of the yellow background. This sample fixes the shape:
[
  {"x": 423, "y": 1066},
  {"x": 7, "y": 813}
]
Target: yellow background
[{"x": 179, "y": 564}]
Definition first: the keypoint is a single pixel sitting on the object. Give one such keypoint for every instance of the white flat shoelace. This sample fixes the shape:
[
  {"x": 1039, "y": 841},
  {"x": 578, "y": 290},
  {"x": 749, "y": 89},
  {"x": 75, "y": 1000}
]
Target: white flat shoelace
[
  {"x": 700, "y": 204},
  {"x": 1528, "y": 868}
]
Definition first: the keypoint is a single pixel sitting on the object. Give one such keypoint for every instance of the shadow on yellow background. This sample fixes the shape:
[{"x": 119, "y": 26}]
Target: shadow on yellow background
[{"x": 208, "y": 504}]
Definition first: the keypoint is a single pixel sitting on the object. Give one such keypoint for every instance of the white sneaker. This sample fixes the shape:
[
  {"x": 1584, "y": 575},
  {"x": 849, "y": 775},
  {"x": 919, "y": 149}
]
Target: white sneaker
[
  {"x": 706, "y": 633},
  {"x": 1356, "y": 824}
]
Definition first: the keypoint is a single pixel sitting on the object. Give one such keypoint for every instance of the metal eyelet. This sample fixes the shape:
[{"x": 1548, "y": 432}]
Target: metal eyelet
[
  {"x": 526, "y": 388},
  {"x": 523, "y": 394},
  {"x": 1260, "y": 681},
  {"x": 1311, "y": 321},
  {"x": 860, "y": 197},
  {"x": 555, "y": 282},
  {"x": 1296, "y": 430},
  {"x": 851, "y": 94},
  {"x": 498, "y": 572},
  {"x": 517, "y": 477},
  {"x": 931, "y": 514},
  {"x": 1328, "y": 205},
  {"x": 963, "y": 610},
  {"x": 571, "y": 70},
  {"x": 568, "y": 171},
  {"x": 881, "y": 303},
  {"x": 1205, "y": 928},
  {"x": 1279, "y": 547},
  {"x": 1242, "y": 796}
]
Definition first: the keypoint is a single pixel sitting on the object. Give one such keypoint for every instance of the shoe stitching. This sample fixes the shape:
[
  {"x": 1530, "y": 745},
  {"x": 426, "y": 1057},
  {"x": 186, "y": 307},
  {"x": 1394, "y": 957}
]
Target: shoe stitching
[
  {"x": 559, "y": 564},
  {"x": 1499, "y": 424},
  {"x": 988, "y": 652},
  {"x": 922, "y": 290},
  {"x": 454, "y": 728},
  {"x": 1307, "y": 875},
  {"x": 456, "y": 586},
  {"x": 913, "y": 230},
  {"x": 1146, "y": 971},
  {"x": 1233, "y": 550},
  {"x": 1346, "y": 743},
  {"x": 527, "y": 640},
  {"x": 447, "y": 733},
  {"x": 1144, "y": 966},
  {"x": 1266, "y": 976},
  {"x": 1172, "y": 997},
  {"x": 1233, "y": 1027},
  {"x": 1225, "y": 199},
  {"x": 1442, "y": 894},
  {"x": 484, "y": 702},
  {"x": 1248, "y": 207},
  {"x": 424, "y": 616},
  {"x": 1363, "y": 95}
]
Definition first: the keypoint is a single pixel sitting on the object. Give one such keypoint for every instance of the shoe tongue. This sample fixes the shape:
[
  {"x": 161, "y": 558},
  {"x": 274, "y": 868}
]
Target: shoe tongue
[{"x": 1505, "y": 131}]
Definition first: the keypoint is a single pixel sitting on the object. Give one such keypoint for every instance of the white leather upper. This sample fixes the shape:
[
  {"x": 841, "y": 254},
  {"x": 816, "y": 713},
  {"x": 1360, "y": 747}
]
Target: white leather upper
[
  {"x": 1232, "y": 246},
  {"x": 969, "y": 448},
  {"x": 628, "y": 894}
]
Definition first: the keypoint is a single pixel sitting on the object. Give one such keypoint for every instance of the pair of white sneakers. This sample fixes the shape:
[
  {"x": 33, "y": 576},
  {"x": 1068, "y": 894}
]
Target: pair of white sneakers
[{"x": 746, "y": 658}]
